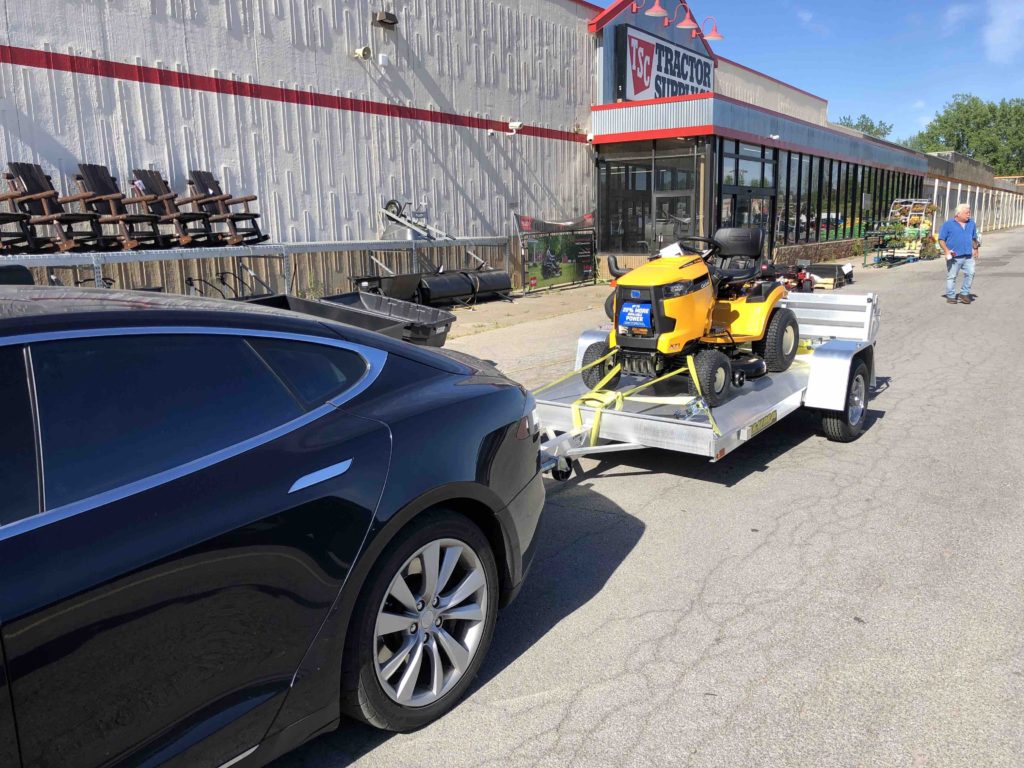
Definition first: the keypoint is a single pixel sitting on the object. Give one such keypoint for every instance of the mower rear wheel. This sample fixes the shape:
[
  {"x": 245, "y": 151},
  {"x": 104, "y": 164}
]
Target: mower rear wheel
[
  {"x": 609, "y": 306},
  {"x": 714, "y": 374},
  {"x": 781, "y": 340},
  {"x": 592, "y": 376}
]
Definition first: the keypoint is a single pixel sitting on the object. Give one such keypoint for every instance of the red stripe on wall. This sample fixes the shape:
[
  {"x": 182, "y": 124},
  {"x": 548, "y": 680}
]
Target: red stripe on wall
[
  {"x": 83, "y": 65},
  {"x": 660, "y": 133},
  {"x": 647, "y": 102}
]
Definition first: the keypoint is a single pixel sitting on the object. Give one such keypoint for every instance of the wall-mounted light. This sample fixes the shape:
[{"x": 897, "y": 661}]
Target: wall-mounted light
[
  {"x": 712, "y": 35},
  {"x": 654, "y": 10},
  {"x": 385, "y": 19},
  {"x": 686, "y": 23}
]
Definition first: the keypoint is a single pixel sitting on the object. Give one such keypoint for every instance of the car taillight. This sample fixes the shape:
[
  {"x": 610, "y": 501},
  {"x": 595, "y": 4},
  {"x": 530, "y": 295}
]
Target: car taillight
[{"x": 529, "y": 425}]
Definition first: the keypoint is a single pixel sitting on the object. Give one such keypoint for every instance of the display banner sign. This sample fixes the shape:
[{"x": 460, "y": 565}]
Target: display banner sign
[
  {"x": 651, "y": 67},
  {"x": 557, "y": 252}
]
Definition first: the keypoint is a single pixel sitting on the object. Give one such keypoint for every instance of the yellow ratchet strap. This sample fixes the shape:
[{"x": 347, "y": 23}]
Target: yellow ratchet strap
[{"x": 586, "y": 367}]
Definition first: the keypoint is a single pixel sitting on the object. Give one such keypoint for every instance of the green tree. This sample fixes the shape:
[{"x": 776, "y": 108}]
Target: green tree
[
  {"x": 990, "y": 132},
  {"x": 865, "y": 124}
]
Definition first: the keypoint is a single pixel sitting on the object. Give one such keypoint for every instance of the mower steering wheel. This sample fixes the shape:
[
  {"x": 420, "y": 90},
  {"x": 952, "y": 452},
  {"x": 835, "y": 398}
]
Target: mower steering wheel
[{"x": 712, "y": 252}]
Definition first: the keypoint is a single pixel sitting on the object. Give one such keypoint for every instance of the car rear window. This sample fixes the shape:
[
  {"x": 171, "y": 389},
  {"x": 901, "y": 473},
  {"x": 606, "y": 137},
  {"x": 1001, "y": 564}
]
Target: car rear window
[
  {"x": 314, "y": 372},
  {"x": 116, "y": 409}
]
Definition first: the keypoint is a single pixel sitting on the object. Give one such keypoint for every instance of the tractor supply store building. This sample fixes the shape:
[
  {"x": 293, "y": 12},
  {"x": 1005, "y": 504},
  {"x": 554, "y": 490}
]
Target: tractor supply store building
[
  {"x": 687, "y": 142},
  {"x": 471, "y": 110}
]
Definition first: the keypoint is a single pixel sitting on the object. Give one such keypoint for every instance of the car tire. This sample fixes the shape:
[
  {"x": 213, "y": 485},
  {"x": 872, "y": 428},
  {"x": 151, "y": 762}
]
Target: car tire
[
  {"x": 714, "y": 374},
  {"x": 609, "y": 306},
  {"x": 846, "y": 425},
  {"x": 592, "y": 376},
  {"x": 781, "y": 340},
  {"x": 412, "y": 650}
]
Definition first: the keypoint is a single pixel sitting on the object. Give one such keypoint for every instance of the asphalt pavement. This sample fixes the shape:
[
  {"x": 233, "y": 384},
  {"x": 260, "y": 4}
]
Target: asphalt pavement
[{"x": 800, "y": 603}]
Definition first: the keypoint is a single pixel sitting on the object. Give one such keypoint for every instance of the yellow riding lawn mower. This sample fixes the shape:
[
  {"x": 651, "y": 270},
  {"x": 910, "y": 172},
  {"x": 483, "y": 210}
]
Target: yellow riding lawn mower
[{"x": 701, "y": 297}]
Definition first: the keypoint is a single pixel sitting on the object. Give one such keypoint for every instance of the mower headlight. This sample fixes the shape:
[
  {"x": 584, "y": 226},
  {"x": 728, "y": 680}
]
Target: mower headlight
[{"x": 683, "y": 287}]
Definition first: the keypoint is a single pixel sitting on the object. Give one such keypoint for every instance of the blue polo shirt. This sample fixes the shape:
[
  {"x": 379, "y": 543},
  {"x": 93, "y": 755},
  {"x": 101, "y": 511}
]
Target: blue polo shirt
[{"x": 960, "y": 240}]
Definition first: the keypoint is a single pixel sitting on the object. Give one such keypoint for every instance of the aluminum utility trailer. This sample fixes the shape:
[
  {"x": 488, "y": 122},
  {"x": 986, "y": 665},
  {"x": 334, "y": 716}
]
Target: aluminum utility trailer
[{"x": 837, "y": 332}]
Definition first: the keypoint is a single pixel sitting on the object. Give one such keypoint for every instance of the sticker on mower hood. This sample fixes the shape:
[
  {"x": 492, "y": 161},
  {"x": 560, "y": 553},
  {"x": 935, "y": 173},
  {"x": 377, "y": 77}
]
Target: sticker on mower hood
[{"x": 633, "y": 315}]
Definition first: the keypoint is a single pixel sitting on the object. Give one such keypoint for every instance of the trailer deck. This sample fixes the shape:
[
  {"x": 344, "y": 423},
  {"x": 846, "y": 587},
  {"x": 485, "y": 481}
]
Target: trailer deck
[{"x": 835, "y": 330}]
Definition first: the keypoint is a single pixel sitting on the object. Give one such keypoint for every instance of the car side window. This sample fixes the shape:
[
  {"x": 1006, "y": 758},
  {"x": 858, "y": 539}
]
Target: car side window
[
  {"x": 19, "y": 483},
  {"x": 116, "y": 409},
  {"x": 315, "y": 372}
]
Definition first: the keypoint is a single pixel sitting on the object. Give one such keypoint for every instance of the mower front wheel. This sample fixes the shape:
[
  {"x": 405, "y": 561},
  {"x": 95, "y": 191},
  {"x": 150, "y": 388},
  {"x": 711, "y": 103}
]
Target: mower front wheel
[
  {"x": 779, "y": 346},
  {"x": 714, "y": 374},
  {"x": 609, "y": 306},
  {"x": 592, "y": 376}
]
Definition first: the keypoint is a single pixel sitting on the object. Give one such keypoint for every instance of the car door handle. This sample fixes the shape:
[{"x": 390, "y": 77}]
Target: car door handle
[{"x": 335, "y": 470}]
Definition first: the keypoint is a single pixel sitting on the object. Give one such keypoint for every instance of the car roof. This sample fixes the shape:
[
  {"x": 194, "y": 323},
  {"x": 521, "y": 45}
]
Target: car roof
[
  {"x": 33, "y": 309},
  {"x": 39, "y": 309}
]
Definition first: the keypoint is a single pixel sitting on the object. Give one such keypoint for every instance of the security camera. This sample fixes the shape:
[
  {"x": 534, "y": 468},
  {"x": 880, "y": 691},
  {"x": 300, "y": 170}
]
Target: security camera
[
  {"x": 490, "y": 131},
  {"x": 515, "y": 125},
  {"x": 363, "y": 52},
  {"x": 590, "y": 138}
]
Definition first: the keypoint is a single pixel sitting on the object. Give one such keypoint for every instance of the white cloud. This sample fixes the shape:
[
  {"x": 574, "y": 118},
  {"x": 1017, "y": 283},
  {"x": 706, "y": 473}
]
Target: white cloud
[
  {"x": 808, "y": 22},
  {"x": 919, "y": 104},
  {"x": 956, "y": 14},
  {"x": 1004, "y": 32}
]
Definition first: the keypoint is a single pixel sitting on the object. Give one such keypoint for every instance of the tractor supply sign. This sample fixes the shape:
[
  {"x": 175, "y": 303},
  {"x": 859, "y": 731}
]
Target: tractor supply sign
[{"x": 653, "y": 68}]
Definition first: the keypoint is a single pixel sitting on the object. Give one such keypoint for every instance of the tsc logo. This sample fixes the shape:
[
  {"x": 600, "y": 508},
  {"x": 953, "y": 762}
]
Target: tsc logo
[{"x": 641, "y": 63}]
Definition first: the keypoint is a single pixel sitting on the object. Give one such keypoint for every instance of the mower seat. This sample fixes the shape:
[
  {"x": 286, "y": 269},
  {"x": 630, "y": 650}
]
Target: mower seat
[{"x": 737, "y": 245}]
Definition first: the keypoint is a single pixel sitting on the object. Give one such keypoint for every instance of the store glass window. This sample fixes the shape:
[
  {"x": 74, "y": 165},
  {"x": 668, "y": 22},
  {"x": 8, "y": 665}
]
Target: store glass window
[
  {"x": 749, "y": 173},
  {"x": 729, "y": 174},
  {"x": 750, "y": 150}
]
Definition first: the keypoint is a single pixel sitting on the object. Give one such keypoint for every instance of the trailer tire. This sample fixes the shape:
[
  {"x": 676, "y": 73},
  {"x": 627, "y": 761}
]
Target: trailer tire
[
  {"x": 609, "y": 306},
  {"x": 781, "y": 339},
  {"x": 714, "y": 374},
  {"x": 592, "y": 376},
  {"x": 846, "y": 425}
]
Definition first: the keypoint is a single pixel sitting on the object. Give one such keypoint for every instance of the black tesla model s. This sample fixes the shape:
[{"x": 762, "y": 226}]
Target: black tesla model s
[{"x": 224, "y": 526}]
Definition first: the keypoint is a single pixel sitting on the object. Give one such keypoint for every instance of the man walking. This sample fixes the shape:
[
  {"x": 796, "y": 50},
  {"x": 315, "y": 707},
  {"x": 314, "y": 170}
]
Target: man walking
[{"x": 959, "y": 240}]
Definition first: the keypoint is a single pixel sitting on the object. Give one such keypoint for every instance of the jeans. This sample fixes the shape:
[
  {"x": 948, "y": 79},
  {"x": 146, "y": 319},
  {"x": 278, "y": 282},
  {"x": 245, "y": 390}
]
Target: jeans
[{"x": 954, "y": 266}]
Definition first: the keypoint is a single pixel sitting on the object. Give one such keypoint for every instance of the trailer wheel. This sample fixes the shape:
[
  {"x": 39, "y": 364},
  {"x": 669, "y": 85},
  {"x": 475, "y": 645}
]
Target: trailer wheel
[
  {"x": 781, "y": 339},
  {"x": 609, "y": 306},
  {"x": 592, "y": 376},
  {"x": 714, "y": 374},
  {"x": 847, "y": 425}
]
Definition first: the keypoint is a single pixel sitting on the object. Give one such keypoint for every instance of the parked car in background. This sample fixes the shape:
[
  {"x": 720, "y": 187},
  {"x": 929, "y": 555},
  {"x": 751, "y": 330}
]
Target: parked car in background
[{"x": 224, "y": 526}]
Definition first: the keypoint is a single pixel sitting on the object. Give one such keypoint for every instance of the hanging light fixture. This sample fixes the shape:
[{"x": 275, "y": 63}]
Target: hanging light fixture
[
  {"x": 713, "y": 34},
  {"x": 654, "y": 10},
  {"x": 686, "y": 23}
]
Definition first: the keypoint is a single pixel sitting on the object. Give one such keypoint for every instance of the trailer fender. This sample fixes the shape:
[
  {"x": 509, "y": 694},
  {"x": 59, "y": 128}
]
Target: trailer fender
[{"x": 830, "y": 372}]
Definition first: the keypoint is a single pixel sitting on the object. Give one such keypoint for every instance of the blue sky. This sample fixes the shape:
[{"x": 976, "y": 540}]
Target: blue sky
[{"x": 895, "y": 61}]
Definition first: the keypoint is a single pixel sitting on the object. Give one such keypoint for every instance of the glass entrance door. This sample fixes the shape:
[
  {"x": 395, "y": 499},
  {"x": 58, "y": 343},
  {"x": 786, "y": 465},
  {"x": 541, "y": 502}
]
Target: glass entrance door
[{"x": 673, "y": 219}]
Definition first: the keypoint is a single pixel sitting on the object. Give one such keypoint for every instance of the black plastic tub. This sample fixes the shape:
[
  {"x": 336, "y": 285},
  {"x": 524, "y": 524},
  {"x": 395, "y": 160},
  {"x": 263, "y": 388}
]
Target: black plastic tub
[
  {"x": 370, "y": 321},
  {"x": 421, "y": 324},
  {"x": 403, "y": 287}
]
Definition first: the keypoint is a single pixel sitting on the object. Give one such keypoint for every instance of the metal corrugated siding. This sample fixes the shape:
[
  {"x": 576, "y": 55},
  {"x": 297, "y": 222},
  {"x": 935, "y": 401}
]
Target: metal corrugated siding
[
  {"x": 652, "y": 117},
  {"x": 320, "y": 173}
]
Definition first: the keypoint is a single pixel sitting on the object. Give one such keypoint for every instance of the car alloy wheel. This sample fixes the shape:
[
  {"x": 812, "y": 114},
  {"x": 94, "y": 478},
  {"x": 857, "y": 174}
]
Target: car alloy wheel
[
  {"x": 422, "y": 624},
  {"x": 430, "y": 624}
]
